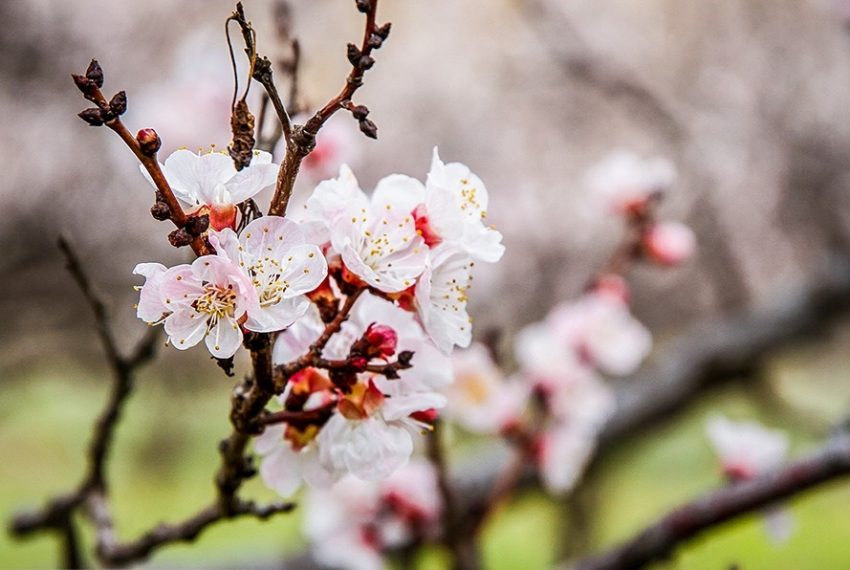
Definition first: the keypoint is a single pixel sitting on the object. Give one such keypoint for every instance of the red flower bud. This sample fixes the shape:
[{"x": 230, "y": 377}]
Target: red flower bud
[
  {"x": 381, "y": 340},
  {"x": 149, "y": 141}
]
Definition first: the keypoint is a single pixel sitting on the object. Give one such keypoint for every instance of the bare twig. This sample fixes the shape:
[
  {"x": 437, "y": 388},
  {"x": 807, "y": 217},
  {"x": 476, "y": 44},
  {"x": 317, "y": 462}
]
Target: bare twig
[
  {"x": 120, "y": 554},
  {"x": 145, "y": 145},
  {"x": 303, "y": 138},
  {"x": 57, "y": 513},
  {"x": 660, "y": 539}
]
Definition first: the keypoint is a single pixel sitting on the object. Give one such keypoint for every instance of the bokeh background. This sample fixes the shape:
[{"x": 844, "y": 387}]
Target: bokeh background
[{"x": 748, "y": 98}]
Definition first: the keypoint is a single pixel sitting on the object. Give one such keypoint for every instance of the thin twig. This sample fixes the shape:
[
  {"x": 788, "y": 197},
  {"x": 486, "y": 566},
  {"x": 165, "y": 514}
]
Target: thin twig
[
  {"x": 658, "y": 540},
  {"x": 303, "y": 138}
]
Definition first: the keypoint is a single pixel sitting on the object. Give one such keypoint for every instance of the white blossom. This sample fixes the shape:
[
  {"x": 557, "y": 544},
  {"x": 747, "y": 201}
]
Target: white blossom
[
  {"x": 206, "y": 301},
  {"x": 481, "y": 399},
  {"x": 282, "y": 267},
  {"x": 441, "y": 297}
]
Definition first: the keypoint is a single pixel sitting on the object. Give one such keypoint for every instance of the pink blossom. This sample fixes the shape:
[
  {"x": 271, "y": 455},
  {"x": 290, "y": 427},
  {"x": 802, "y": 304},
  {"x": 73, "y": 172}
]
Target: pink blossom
[
  {"x": 481, "y": 399},
  {"x": 207, "y": 300},
  {"x": 623, "y": 183},
  {"x": 602, "y": 331},
  {"x": 669, "y": 243}
]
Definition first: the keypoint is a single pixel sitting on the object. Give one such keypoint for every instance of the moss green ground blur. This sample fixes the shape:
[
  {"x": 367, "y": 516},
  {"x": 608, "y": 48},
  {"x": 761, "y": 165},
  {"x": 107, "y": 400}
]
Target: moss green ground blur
[{"x": 167, "y": 449}]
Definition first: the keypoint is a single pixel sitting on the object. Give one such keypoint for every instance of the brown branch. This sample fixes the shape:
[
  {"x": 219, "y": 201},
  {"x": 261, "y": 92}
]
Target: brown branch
[
  {"x": 115, "y": 554},
  {"x": 706, "y": 355},
  {"x": 303, "y": 138},
  {"x": 144, "y": 146},
  {"x": 660, "y": 539},
  {"x": 283, "y": 372},
  {"x": 57, "y": 513}
]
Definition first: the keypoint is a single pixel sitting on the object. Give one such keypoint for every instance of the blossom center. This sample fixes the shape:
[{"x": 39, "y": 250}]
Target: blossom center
[{"x": 217, "y": 301}]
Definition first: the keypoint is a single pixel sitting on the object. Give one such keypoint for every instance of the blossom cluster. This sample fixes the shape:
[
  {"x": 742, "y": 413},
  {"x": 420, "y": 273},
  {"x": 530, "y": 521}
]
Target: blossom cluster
[{"x": 402, "y": 256}]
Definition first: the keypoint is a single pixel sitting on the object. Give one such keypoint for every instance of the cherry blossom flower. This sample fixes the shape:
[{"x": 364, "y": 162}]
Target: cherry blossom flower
[
  {"x": 370, "y": 437},
  {"x": 206, "y": 301},
  {"x": 481, "y": 399},
  {"x": 669, "y": 243},
  {"x": 282, "y": 267},
  {"x": 603, "y": 331},
  {"x": 623, "y": 182},
  {"x": 284, "y": 466},
  {"x": 440, "y": 298},
  {"x": 577, "y": 403},
  {"x": 338, "y": 523},
  {"x": 449, "y": 209},
  {"x": 746, "y": 450},
  {"x": 377, "y": 242},
  {"x": 352, "y": 523},
  {"x": 210, "y": 181}
]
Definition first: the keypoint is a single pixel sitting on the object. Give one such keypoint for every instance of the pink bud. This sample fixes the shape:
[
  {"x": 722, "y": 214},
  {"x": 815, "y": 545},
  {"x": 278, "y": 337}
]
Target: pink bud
[
  {"x": 382, "y": 340},
  {"x": 669, "y": 243}
]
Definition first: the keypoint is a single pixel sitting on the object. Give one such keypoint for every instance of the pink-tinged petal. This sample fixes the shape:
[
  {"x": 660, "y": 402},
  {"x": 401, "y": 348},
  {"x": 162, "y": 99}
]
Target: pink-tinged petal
[
  {"x": 185, "y": 328},
  {"x": 280, "y": 470},
  {"x": 305, "y": 269},
  {"x": 251, "y": 180},
  {"x": 276, "y": 317},
  {"x": 225, "y": 338},
  {"x": 150, "y": 307},
  {"x": 400, "y": 406},
  {"x": 179, "y": 287},
  {"x": 399, "y": 192},
  {"x": 226, "y": 244},
  {"x": 296, "y": 340},
  {"x": 270, "y": 236},
  {"x": 333, "y": 197},
  {"x": 564, "y": 454}
]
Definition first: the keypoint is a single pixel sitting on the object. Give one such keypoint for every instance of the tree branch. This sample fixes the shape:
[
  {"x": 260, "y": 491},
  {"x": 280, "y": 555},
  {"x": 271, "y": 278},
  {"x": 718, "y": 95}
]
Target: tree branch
[
  {"x": 145, "y": 145},
  {"x": 303, "y": 138},
  {"x": 660, "y": 539}
]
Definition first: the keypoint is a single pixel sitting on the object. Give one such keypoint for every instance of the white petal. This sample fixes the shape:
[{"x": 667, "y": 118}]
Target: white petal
[
  {"x": 224, "y": 339},
  {"x": 185, "y": 328},
  {"x": 251, "y": 180}
]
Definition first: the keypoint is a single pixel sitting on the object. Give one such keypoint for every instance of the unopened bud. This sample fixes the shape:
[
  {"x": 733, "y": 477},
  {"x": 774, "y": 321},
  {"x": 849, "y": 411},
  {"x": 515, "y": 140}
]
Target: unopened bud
[
  {"x": 360, "y": 112},
  {"x": 82, "y": 82},
  {"x": 180, "y": 237},
  {"x": 405, "y": 357},
  {"x": 368, "y": 128},
  {"x": 118, "y": 103},
  {"x": 353, "y": 54},
  {"x": 669, "y": 243},
  {"x": 384, "y": 31},
  {"x": 93, "y": 116},
  {"x": 94, "y": 73},
  {"x": 160, "y": 211},
  {"x": 196, "y": 225},
  {"x": 365, "y": 62},
  {"x": 363, "y": 5},
  {"x": 375, "y": 41},
  {"x": 149, "y": 141},
  {"x": 381, "y": 340}
]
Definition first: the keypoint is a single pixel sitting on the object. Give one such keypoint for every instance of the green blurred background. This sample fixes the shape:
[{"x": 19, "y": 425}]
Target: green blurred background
[{"x": 165, "y": 455}]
